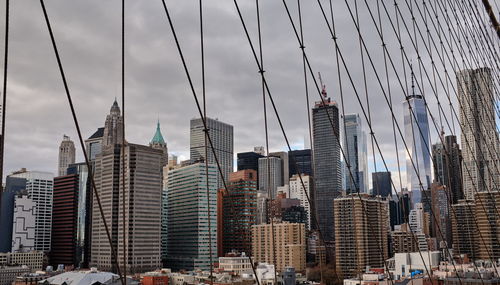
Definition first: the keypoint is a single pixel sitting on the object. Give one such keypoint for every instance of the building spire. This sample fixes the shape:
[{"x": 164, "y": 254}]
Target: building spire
[
  {"x": 412, "y": 79},
  {"x": 158, "y": 137}
]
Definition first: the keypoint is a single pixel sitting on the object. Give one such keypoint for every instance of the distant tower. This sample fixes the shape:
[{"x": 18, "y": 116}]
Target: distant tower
[
  {"x": 418, "y": 160},
  {"x": 355, "y": 146},
  {"x": 113, "y": 127},
  {"x": 66, "y": 155},
  {"x": 327, "y": 168},
  {"x": 159, "y": 143}
]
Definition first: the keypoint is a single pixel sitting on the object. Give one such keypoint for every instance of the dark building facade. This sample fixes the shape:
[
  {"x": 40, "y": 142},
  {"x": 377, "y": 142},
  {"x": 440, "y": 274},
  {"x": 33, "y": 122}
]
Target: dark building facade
[
  {"x": 248, "y": 160},
  {"x": 327, "y": 166},
  {"x": 448, "y": 166},
  {"x": 64, "y": 220},
  {"x": 13, "y": 185},
  {"x": 239, "y": 211},
  {"x": 300, "y": 161},
  {"x": 294, "y": 214},
  {"x": 381, "y": 183}
]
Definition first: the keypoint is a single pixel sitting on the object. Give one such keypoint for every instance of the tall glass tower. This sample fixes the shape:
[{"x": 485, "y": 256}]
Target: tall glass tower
[
  {"x": 355, "y": 148},
  {"x": 418, "y": 142},
  {"x": 327, "y": 169}
]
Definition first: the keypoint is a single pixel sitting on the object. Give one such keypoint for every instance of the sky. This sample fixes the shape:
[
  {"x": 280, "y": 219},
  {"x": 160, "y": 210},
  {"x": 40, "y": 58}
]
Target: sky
[{"x": 88, "y": 34}]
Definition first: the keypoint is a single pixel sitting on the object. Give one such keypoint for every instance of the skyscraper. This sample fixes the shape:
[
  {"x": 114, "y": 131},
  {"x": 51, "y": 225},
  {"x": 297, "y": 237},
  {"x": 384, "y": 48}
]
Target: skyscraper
[
  {"x": 157, "y": 142},
  {"x": 13, "y": 186},
  {"x": 142, "y": 194},
  {"x": 300, "y": 161},
  {"x": 248, "y": 160},
  {"x": 221, "y": 135},
  {"x": 23, "y": 229},
  {"x": 356, "y": 152},
  {"x": 239, "y": 212},
  {"x": 361, "y": 233},
  {"x": 418, "y": 160},
  {"x": 39, "y": 186},
  {"x": 66, "y": 155},
  {"x": 270, "y": 179},
  {"x": 441, "y": 209},
  {"x": 283, "y": 155},
  {"x": 382, "y": 183},
  {"x": 327, "y": 169},
  {"x": 448, "y": 166},
  {"x": 93, "y": 144},
  {"x": 188, "y": 230},
  {"x": 480, "y": 143},
  {"x": 301, "y": 192}
]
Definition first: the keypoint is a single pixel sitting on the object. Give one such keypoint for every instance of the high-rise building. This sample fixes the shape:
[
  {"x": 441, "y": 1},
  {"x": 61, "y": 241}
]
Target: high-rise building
[
  {"x": 441, "y": 209},
  {"x": 248, "y": 160},
  {"x": 39, "y": 186},
  {"x": 270, "y": 178},
  {"x": 448, "y": 166},
  {"x": 239, "y": 210},
  {"x": 465, "y": 229},
  {"x": 488, "y": 224},
  {"x": 300, "y": 161},
  {"x": 23, "y": 229},
  {"x": 83, "y": 214},
  {"x": 189, "y": 234},
  {"x": 283, "y": 155},
  {"x": 382, "y": 184},
  {"x": 361, "y": 233},
  {"x": 356, "y": 152},
  {"x": 288, "y": 249},
  {"x": 66, "y": 155},
  {"x": 262, "y": 207},
  {"x": 13, "y": 186},
  {"x": 221, "y": 135},
  {"x": 418, "y": 157},
  {"x": 157, "y": 142},
  {"x": 93, "y": 144},
  {"x": 480, "y": 143},
  {"x": 65, "y": 220},
  {"x": 142, "y": 194},
  {"x": 327, "y": 168},
  {"x": 403, "y": 240},
  {"x": 301, "y": 192}
]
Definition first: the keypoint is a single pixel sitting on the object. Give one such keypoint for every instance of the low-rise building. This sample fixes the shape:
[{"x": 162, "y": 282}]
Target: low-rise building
[
  {"x": 33, "y": 259},
  {"x": 8, "y": 274},
  {"x": 236, "y": 263},
  {"x": 86, "y": 277}
]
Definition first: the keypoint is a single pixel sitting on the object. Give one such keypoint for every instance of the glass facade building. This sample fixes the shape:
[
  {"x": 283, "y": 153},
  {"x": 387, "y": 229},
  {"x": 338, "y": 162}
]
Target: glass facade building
[
  {"x": 356, "y": 152},
  {"x": 300, "y": 161}
]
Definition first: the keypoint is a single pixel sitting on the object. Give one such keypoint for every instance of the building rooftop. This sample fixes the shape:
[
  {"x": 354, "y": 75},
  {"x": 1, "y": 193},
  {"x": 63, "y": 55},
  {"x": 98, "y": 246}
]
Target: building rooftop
[{"x": 84, "y": 278}]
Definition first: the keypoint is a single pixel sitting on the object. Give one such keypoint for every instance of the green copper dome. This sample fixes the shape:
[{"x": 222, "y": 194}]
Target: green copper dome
[{"x": 158, "y": 138}]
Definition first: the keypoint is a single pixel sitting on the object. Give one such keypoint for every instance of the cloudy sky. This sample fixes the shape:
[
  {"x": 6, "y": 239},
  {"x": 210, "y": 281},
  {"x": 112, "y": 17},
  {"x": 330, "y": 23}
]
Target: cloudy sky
[{"x": 88, "y": 36}]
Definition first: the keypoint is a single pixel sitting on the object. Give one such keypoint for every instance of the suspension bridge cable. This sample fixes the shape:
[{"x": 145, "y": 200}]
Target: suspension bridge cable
[
  {"x": 4, "y": 93},
  {"x": 80, "y": 137},
  {"x": 123, "y": 190}
]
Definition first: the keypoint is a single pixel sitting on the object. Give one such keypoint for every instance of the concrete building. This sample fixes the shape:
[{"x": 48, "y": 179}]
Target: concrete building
[
  {"x": 8, "y": 274},
  {"x": 32, "y": 259},
  {"x": 221, "y": 135},
  {"x": 301, "y": 192},
  {"x": 262, "y": 207},
  {"x": 239, "y": 210},
  {"x": 23, "y": 228},
  {"x": 142, "y": 194},
  {"x": 327, "y": 167},
  {"x": 441, "y": 209},
  {"x": 403, "y": 240},
  {"x": 300, "y": 161},
  {"x": 65, "y": 220},
  {"x": 39, "y": 186},
  {"x": 236, "y": 263},
  {"x": 356, "y": 152},
  {"x": 488, "y": 224},
  {"x": 285, "y": 171},
  {"x": 418, "y": 159},
  {"x": 13, "y": 186},
  {"x": 409, "y": 262},
  {"x": 447, "y": 163},
  {"x": 270, "y": 178},
  {"x": 189, "y": 234},
  {"x": 480, "y": 143},
  {"x": 381, "y": 184},
  {"x": 66, "y": 155},
  {"x": 464, "y": 228},
  {"x": 361, "y": 233},
  {"x": 289, "y": 245}
]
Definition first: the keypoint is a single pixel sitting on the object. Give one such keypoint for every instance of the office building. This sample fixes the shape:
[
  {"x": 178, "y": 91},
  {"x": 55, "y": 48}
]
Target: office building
[
  {"x": 327, "y": 168},
  {"x": 361, "y": 233},
  {"x": 300, "y": 161},
  {"x": 302, "y": 192},
  {"x": 441, "y": 229},
  {"x": 382, "y": 184},
  {"x": 65, "y": 220},
  {"x": 262, "y": 207},
  {"x": 239, "y": 212},
  {"x": 285, "y": 172},
  {"x": 248, "y": 160},
  {"x": 23, "y": 227},
  {"x": 142, "y": 194},
  {"x": 403, "y": 240},
  {"x": 465, "y": 239},
  {"x": 8, "y": 274},
  {"x": 356, "y": 177},
  {"x": 488, "y": 224},
  {"x": 480, "y": 143},
  {"x": 270, "y": 174},
  {"x": 93, "y": 144},
  {"x": 157, "y": 142},
  {"x": 13, "y": 185},
  {"x": 289, "y": 248},
  {"x": 32, "y": 259},
  {"x": 187, "y": 189},
  {"x": 447, "y": 163},
  {"x": 221, "y": 135},
  {"x": 418, "y": 157},
  {"x": 39, "y": 186},
  {"x": 66, "y": 155}
]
